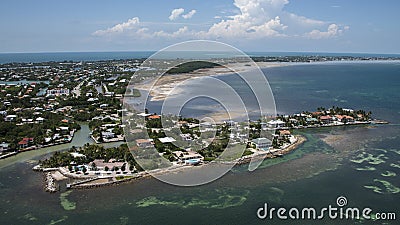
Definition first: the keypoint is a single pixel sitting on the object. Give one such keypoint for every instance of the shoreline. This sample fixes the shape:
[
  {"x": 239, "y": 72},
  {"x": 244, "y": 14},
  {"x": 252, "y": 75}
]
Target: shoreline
[
  {"x": 167, "y": 85},
  {"x": 86, "y": 182},
  {"x": 38, "y": 147}
]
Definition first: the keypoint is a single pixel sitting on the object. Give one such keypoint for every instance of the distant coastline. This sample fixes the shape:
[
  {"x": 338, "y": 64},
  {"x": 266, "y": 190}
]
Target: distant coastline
[{"x": 123, "y": 55}]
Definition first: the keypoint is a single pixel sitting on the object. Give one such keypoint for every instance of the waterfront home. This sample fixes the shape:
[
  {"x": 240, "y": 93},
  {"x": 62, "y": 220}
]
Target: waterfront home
[
  {"x": 25, "y": 142},
  {"x": 284, "y": 133},
  {"x": 100, "y": 164},
  {"x": 326, "y": 119},
  {"x": 63, "y": 130},
  {"x": 4, "y": 147},
  {"x": 261, "y": 143},
  {"x": 344, "y": 118},
  {"x": 144, "y": 143},
  {"x": 189, "y": 157},
  {"x": 107, "y": 135},
  {"x": 312, "y": 120}
]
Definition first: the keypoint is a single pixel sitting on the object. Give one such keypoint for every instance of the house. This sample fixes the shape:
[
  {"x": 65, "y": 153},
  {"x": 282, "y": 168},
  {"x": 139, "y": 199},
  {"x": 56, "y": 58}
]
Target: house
[
  {"x": 10, "y": 118},
  {"x": 186, "y": 137},
  {"x": 153, "y": 117},
  {"x": 312, "y": 120},
  {"x": 107, "y": 135},
  {"x": 326, "y": 119},
  {"x": 344, "y": 118},
  {"x": 262, "y": 143},
  {"x": 144, "y": 114},
  {"x": 166, "y": 140},
  {"x": 284, "y": 133},
  {"x": 3, "y": 147},
  {"x": 144, "y": 143},
  {"x": 39, "y": 120},
  {"x": 77, "y": 155},
  {"x": 189, "y": 157},
  {"x": 25, "y": 142},
  {"x": 276, "y": 123},
  {"x": 27, "y": 120},
  {"x": 100, "y": 164},
  {"x": 64, "y": 130},
  {"x": 57, "y": 92}
]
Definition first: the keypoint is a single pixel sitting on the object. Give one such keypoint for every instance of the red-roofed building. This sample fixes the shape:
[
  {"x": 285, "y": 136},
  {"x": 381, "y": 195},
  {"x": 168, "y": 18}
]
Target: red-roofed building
[
  {"x": 345, "y": 118},
  {"x": 316, "y": 113},
  {"x": 284, "y": 133},
  {"x": 326, "y": 119},
  {"x": 152, "y": 117},
  {"x": 25, "y": 142}
]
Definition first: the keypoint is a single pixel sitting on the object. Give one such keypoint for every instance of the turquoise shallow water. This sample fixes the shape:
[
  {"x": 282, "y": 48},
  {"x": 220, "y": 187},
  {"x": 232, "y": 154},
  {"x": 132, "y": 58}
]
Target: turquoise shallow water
[{"x": 359, "y": 165}]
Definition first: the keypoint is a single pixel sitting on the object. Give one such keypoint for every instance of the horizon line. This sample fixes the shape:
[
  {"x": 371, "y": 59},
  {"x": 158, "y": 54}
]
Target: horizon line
[{"x": 129, "y": 51}]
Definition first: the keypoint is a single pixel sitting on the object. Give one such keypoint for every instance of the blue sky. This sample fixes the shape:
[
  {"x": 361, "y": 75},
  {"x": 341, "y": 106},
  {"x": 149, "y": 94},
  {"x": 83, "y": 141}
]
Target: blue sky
[{"x": 251, "y": 25}]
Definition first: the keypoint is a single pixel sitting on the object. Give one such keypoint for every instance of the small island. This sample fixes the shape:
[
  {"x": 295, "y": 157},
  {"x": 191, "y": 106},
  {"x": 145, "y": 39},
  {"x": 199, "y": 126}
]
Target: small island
[{"x": 94, "y": 166}]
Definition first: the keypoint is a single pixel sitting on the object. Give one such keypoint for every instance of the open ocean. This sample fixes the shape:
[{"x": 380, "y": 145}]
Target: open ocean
[{"x": 314, "y": 175}]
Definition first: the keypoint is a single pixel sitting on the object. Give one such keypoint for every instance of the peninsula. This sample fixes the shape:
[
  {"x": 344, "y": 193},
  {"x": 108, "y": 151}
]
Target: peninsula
[{"x": 93, "y": 166}]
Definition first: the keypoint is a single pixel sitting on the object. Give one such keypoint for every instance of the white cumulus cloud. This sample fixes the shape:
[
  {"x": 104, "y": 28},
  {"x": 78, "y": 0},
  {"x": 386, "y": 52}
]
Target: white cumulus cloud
[
  {"x": 253, "y": 19},
  {"x": 268, "y": 18},
  {"x": 176, "y": 13},
  {"x": 179, "y": 33},
  {"x": 119, "y": 28},
  {"x": 190, "y": 14},
  {"x": 333, "y": 31}
]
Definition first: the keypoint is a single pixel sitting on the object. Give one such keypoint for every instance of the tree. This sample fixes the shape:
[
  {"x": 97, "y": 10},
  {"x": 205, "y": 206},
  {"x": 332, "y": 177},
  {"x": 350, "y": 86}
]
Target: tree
[
  {"x": 94, "y": 167},
  {"x": 123, "y": 168},
  {"x": 106, "y": 168}
]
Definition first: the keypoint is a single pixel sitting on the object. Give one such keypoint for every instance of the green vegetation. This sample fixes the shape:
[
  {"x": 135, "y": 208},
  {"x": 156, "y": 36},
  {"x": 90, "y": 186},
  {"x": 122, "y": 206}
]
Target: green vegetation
[
  {"x": 91, "y": 153},
  {"x": 191, "y": 66},
  {"x": 12, "y": 133},
  {"x": 122, "y": 177}
]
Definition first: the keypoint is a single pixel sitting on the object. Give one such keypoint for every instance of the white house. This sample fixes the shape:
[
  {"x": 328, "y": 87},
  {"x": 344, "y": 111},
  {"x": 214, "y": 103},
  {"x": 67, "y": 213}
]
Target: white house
[
  {"x": 3, "y": 147},
  {"x": 262, "y": 143},
  {"x": 276, "y": 123},
  {"x": 107, "y": 135},
  {"x": 10, "y": 118},
  {"x": 167, "y": 140}
]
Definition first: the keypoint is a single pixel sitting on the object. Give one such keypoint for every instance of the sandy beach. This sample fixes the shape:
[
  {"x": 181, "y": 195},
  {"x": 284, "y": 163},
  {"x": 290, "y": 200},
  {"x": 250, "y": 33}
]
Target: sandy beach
[{"x": 167, "y": 85}]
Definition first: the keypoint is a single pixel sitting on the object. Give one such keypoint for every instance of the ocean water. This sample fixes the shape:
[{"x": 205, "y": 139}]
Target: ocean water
[{"x": 358, "y": 163}]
